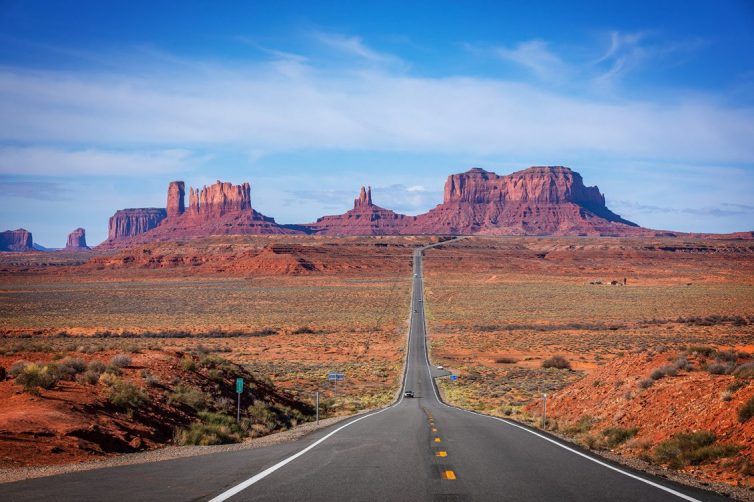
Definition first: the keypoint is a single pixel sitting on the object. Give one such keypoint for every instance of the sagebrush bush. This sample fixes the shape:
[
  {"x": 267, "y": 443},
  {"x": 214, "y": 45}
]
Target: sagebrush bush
[
  {"x": 584, "y": 424},
  {"x": 96, "y": 367},
  {"x": 88, "y": 377},
  {"x": 126, "y": 395},
  {"x": 214, "y": 428},
  {"x": 35, "y": 376},
  {"x": 18, "y": 367},
  {"x": 108, "y": 379},
  {"x": 617, "y": 435},
  {"x": 691, "y": 448},
  {"x": 120, "y": 361},
  {"x": 71, "y": 366},
  {"x": 558, "y": 362},
  {"x": 646, "y": 383},
  {"x": 506, "y": 360},
  {"x": 188, "y": 363},
  {"x": 719, "y": 368},
  {"x": 746, "y": 411},
  {"x": 744, "y": 371},
  {"x": 663, "y": 372},
  {"x": 189, "y": 396}
]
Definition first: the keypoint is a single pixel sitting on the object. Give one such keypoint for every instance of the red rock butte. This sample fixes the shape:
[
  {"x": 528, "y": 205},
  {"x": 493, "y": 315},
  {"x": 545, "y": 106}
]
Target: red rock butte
[
  {"x": 16, "y": 240},
  {"x": 544, "y": 200},
  {"x": 76, "y": 240}
]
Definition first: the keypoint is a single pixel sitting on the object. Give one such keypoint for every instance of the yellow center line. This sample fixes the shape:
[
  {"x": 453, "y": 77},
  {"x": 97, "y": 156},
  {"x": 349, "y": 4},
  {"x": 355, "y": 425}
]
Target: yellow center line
[
  {"x": 441, "y": 454},
  {"x": 449, "y": 475},
  {"x": 434, "y": 430},
  {"x": 437, "y": 440}
]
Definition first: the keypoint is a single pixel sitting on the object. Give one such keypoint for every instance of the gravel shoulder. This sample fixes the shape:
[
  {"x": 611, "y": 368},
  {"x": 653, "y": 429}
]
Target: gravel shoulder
[{"x": 167, "y": 453}]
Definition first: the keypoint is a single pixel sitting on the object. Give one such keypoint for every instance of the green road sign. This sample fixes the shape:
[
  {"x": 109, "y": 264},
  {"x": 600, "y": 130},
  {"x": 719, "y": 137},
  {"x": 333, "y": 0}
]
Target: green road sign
[{"x": 239, "y": 385}]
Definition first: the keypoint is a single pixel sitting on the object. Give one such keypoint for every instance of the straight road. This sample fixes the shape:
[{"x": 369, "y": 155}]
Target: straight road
[{"x": 418, "y": 449}]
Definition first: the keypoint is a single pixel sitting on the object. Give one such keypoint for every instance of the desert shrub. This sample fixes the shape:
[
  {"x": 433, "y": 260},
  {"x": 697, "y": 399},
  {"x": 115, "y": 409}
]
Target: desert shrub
[
  {"x": 746, "y": 411},
  {"x": 582, "y": 425},
  {"x": 214, "y": 428},
  {"x": 17, "y": 368},
  {"x": 211, "y": 361},
  {"x": 506, "y": 360},
  {"x": 558, "y": 362},
  {"x": 126, "y": 395},
  {"x": 2, "y": 373},
  {"x": 150, "y": 379},
  {"x": 682, "y": 364},
  {"x": 188, "y": 363},
  {"x": 691, "y": 448},
  {"x": 591, "y": 441},
  {"x": 36, "y": 376},
  {"x": 744, "y": 371},
  {"x": 260, "y": 413},
  {"x": 663, "y": 372},
  {"x": 719, "y": 368},
  {"x": 646, "y": 383},
  {"x": 617, "y": 435},
  {"x": 88, "y": 377},
  {"x": 120, "y": 361},
  {"x": 189, "y": 396},
  {"x": 701, "y": 350},
  {"x": 71, "y": 366},
  {"x": 727, "y": 355},
  {"x": 96, "y": 367},
  {"x": 108, "y": 378},
  {"x": 304, "y": 330}
]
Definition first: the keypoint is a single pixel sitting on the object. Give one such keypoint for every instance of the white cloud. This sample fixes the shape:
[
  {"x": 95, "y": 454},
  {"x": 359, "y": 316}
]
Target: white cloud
[
  {"x": 34, "y": 161},
  {"x": 355, "y": 46},
  {"x": 537, "y": 57}
]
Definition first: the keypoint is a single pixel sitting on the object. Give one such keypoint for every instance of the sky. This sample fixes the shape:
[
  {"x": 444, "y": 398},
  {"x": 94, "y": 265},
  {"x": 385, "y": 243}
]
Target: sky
[{"x": 102, "y": 104}]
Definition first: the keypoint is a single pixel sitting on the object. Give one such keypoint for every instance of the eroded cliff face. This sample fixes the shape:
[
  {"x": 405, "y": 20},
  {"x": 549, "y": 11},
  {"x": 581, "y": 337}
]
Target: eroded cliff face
[
  {"x": 537, "y": 200},
  {"x": 176, "y": 193},
  {"x": 365, "y": 218},
  {"x": 16, "y": 240},
  {"x": 76, "y": 240},
  {"x": 127, "y": 223}
]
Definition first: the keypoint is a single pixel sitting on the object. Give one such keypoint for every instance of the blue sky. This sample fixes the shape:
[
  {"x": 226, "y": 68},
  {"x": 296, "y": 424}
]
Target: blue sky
[{"x": 104, "y": 103}]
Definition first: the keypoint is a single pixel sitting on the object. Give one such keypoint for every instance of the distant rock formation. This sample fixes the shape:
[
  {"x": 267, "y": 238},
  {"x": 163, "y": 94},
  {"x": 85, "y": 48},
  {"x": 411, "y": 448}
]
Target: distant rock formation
[
  {"x": 126, "y": 223},
  {"x": 76, "y": 240},
  {"x": 549, "y": 200},
  {"x": 16, "y": 240},
  {"x": 176, "y": 193},
  {"x": 364, "y": 219},
  {"x": 219, "y": 209}
]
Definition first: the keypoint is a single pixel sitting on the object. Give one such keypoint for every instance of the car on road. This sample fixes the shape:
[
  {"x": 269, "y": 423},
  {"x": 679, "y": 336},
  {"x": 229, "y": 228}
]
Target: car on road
[
  {"x": 408, "y": 393},
  {"x": 440, "y": 368}
]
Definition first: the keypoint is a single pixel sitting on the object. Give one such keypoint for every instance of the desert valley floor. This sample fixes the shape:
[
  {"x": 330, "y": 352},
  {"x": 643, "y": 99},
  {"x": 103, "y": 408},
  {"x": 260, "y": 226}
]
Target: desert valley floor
[{"x": 637, "y": 341}]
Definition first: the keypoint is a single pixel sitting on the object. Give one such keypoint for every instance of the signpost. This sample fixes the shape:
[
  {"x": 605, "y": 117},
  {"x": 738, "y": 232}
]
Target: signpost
[
  {"x": 239, "y": 390},
  {"x": 544, "y": 411},
  {"x": 317, "y": 407},
  {"x": 336, "y": 377}
]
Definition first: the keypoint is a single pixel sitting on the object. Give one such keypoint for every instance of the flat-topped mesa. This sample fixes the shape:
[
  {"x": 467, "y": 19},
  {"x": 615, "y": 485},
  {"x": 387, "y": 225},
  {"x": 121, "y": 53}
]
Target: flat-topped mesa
[
  {"x": 219, "y": 199},
  {"x": 76, "y": 240},
  {"x": 364, "y": 201},
  {"x": 16, "y": 240},
  {"x": 543, "y": 184},
  {"x": 175, "y": 206},
  {"x": 127, "y": 223}
]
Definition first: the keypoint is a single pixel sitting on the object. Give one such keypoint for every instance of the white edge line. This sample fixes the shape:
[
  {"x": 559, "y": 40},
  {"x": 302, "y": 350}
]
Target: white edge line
[
  {"x": 513, "y": 424},
  {"x": 258, "y": 477},
  {"x": 242, "y": 486}
]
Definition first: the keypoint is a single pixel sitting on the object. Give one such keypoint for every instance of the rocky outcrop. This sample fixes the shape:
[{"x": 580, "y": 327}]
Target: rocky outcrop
[
  {"x": 175, "y": 206},
  {"x": 16, "y": 240},
  {"x": 126, "y": 223},
  {"x": 219, "y": 209},
  {"x": 219, "y": 199},
  {"x": 76, "y": 240},
  {"x": 365, "y": 218},
  {"x": 535, "y": 201}
]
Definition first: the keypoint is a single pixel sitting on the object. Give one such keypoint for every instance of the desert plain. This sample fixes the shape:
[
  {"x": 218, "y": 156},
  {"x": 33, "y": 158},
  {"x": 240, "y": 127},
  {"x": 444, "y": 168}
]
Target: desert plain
[{"x": 633, "y": 367}]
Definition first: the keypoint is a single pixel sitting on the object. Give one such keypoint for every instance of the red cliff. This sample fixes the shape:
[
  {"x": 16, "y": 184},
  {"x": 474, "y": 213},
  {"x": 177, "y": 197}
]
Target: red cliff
[
  {"x": 127, "y": 223},
  {"x": 16, "y": 240},
  {"x": 535, "y": 201},
  {"x": 76, "y": 240},
  {"x": 176, "y": 193}
]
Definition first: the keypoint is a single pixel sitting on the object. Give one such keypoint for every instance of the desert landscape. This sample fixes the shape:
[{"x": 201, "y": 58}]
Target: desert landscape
[{"x": 626, "y": 367}]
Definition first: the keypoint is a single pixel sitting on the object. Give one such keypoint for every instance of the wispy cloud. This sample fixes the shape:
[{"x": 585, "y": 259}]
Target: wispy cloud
[
  {"x": 535, "y": 55},
  {"x": 35, "y": 190},
  {"x": 33, "y": 161},
  {"x": 723, "y": 211},
  {"x": 355, "y": 46}
]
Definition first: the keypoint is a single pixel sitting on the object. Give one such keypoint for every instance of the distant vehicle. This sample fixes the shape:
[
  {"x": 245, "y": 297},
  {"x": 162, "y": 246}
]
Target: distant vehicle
[
  {"x": 416, "y": 275},
  {"x": 440, "y": 368},
  {"x": 408, "y": 393}
]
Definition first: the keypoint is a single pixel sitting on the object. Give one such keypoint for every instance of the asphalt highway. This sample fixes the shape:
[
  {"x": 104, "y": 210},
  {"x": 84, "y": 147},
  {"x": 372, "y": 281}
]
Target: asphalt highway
[{"x": 417, "y": 449}]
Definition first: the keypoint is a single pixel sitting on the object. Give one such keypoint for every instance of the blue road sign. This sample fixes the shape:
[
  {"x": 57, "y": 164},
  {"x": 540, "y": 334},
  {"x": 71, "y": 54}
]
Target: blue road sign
[
  {"x": 454, "y": 377},
  {"x": 336, "y": 377}
]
